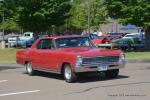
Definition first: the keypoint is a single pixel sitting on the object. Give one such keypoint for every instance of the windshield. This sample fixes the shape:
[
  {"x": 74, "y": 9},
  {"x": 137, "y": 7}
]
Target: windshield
[
  {"x": 94, "y": 36},
  {"x": 73, "y": 42},
  {"x": 26, "y": 34}
]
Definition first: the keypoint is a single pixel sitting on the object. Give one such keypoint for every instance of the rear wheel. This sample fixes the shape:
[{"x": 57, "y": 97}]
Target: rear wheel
[
  {"x": 69, "y": 75},
  {"x": 112, "y": 73},
  {"x": 29, "y": 68}
]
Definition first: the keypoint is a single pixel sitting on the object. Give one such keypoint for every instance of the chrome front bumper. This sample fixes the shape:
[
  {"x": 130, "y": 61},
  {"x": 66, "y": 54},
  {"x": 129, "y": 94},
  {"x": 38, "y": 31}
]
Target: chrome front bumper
[{"x": 95, "y": 67}]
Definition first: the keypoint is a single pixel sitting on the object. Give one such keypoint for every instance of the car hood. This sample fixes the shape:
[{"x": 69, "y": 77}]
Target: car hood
[
  {"x": 91, "y": 51},
  {"x": 12, "y": 38},
  {"x": 24, "y": 38}
]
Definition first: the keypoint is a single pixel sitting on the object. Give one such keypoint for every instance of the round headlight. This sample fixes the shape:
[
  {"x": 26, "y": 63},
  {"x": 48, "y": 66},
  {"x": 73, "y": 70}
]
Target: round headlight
[
  {"x": 79, "y": 61},
  {"x": 122, "y": 57}
]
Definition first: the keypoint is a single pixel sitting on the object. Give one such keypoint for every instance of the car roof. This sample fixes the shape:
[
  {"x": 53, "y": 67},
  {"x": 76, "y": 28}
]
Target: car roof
[
  {"x": 133, "y": 34},
  {"x": 69, "y": 36}
]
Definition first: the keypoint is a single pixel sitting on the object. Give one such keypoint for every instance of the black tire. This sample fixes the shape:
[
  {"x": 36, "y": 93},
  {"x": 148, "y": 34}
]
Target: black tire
[
  {"x": 68, "y": 74},
  {"x": 112, "y": 73},
  {"x": 29, "y": 68}
]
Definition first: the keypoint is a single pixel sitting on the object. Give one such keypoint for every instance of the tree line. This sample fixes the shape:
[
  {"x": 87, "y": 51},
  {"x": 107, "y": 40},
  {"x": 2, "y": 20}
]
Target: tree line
[
  {"x": 68, "y": 15},
  {"x": 33, "y": 15}
]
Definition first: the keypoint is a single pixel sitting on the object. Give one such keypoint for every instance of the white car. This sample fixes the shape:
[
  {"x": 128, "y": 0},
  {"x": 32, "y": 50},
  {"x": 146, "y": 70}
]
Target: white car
[
  {"x": 134, "y": 35},
  {"x": 26, "y": 36},
  {"x": 12, "y": 40}
]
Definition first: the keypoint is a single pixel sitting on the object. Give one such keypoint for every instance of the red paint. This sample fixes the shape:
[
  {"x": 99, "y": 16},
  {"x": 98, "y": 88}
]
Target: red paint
[
  {"x": 106, "y": 39},
  {"x": 54, "y": 58}
]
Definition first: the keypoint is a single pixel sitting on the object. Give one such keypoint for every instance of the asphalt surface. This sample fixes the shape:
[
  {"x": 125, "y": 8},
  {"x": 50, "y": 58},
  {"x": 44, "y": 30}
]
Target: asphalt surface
[{"x": 133, "y": 83}]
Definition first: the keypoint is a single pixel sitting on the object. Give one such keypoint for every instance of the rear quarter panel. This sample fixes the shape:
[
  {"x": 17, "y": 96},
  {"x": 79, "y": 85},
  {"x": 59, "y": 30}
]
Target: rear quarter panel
[{"x": 20, "y": 56}]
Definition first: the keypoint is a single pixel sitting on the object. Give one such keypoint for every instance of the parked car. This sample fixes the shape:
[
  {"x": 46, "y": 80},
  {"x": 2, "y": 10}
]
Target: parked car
[
  {"x": 111, "y": 38},
  {"x": 12, "y": 40},
  {"x": 95, "y": 39},
  {"x": 106, "y": 39},
  {"x": 25, "y": 40},
  {"x": 132, "y": 35},
  {"x": 129, "y": 42},
  {"x": 26, "y": 43},
  {"x": 70, "y": 55}
]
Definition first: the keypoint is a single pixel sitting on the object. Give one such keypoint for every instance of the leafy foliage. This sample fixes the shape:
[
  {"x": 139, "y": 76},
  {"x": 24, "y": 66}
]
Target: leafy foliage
[
  {"x": 8, "y": 11},
  {"x": 79, "y": 12},
  {"x": 39, "y": 15},
  {"x": 135, "y": 12},
  {"x": 44, "y": 15},
  {"x": 35, "y": 15},
  {"x": 130, "y": 11}
]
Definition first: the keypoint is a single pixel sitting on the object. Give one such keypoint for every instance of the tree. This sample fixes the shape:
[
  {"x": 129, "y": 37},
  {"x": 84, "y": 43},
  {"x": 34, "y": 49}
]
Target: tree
[
  {"x": 40, "y": 15},
  {"x": 135, "y": 12},
  {"x": 79, "y": 14},
  {"x": 8, "y": 11},
  {"x": 34, "y": 15}
]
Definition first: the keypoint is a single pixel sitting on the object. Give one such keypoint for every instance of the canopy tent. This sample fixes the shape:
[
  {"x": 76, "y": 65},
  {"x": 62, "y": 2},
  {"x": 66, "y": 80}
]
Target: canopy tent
[{"x": 130, "y": 27}]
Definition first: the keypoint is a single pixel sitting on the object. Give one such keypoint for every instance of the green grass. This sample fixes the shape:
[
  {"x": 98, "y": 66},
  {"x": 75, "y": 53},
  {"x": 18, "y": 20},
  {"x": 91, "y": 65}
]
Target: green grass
[
  {"x": 8, "y": 56},
  {"x": 137, "y": 55}
]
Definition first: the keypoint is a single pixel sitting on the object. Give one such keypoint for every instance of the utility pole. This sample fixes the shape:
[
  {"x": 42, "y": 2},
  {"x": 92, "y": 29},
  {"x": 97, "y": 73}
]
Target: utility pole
[
  {"x": 3, "y": 30},
  {"x": 3, "y": 20},
  {"x": 89, "y": 16},
  {"x": 3, "y": 17}
]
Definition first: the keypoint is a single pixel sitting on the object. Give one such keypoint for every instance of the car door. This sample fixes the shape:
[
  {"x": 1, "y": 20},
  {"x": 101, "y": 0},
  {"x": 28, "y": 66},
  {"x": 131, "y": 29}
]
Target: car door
[
  {"x": 47, "y": 55},
  {"x": 35, "y": 55}
]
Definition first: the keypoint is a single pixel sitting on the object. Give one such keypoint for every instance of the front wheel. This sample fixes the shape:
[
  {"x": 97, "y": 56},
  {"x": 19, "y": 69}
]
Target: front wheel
[
  {"x": 29, "y": 68},
  {"x": 112, "y": 73},
  {"x": 69, "y": 75}
]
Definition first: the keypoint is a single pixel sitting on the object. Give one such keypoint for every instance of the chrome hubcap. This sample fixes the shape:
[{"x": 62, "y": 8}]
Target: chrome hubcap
[
  {"x": 29, "y": 68},
  {"x": 67, "y": 72}
]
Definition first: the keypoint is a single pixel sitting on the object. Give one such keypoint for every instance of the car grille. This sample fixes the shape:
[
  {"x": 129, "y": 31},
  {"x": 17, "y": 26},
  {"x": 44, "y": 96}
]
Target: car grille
[{"x": 100, "y": 60}]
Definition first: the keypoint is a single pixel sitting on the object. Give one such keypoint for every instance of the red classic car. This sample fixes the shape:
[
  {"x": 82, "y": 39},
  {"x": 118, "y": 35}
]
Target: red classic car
[
  {"x": 70, "y": 55},
  {"x": 106, "y": 39}
]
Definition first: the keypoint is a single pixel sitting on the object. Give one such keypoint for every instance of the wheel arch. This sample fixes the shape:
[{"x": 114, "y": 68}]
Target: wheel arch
[
  {"x": 63, "y": 65},
  {"x": 26, "y": 62}
]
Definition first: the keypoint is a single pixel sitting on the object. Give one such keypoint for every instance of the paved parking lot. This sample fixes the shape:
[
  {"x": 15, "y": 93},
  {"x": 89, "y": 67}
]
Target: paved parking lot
[{"x": 133, "y": 83}]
